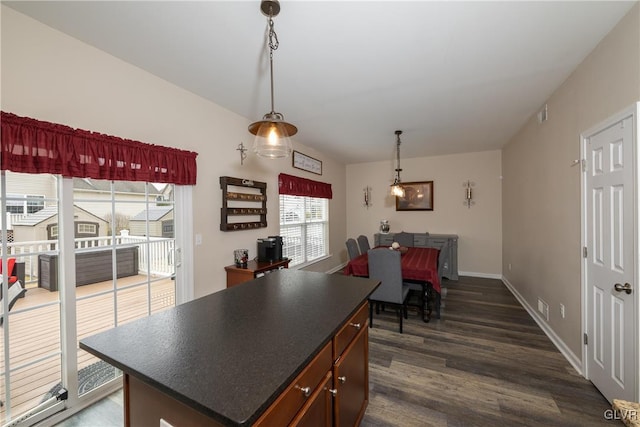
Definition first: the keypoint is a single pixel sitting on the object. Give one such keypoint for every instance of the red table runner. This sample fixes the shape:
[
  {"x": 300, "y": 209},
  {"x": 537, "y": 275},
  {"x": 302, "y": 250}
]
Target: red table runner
[{"x": 417, "y": 264}]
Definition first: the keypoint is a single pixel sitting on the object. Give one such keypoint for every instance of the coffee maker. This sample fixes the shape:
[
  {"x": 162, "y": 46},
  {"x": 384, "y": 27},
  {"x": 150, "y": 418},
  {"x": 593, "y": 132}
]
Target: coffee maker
[{"x": 270, "y": 249}]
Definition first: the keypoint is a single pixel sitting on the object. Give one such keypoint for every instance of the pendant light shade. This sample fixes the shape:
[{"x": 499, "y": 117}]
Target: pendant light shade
[
  {"x": 396, "y": 188},
  {"x": 272, "y": 136},
  {"x": 273, "y": 133}
]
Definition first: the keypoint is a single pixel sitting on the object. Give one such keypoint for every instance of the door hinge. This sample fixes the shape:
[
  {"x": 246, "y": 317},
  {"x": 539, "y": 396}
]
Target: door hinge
[
  {"x": 586, "y": 339},
  {"x": 583, "y": 163},
  {"x": 584, "y": 252}
]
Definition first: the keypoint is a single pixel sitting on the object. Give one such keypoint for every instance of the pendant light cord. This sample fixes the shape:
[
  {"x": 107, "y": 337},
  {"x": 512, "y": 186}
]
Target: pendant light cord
[
  {"x": 398, "y": 169},
  {"x": 273, "y": 45}
]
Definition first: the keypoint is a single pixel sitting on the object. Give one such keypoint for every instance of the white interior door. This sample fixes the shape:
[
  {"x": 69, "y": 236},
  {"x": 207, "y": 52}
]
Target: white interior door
[{"x": 610, "y": 265}]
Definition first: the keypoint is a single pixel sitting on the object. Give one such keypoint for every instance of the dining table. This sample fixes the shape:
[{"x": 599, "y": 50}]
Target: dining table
[{"x": 419, "y": 265}]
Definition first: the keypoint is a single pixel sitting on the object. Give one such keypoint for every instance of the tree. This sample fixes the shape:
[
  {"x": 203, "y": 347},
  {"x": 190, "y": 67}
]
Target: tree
[{"x": 121, "y": 222}]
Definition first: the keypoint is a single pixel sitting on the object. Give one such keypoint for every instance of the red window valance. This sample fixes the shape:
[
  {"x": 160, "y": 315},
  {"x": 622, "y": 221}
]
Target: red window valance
[
  {"x": 296, "y": 186},
  {"x": 33, "y": 146}
]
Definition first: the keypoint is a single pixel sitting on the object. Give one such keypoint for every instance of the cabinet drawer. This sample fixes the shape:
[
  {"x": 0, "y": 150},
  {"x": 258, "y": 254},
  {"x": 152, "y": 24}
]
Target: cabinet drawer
[
  {"x": 386, "y": 239},
  {"x": 436, "y": 243},
  {"x": 282, "y": 411},
  {"x": 420, "y": 240},
  {"x": 350, "y": 329}
]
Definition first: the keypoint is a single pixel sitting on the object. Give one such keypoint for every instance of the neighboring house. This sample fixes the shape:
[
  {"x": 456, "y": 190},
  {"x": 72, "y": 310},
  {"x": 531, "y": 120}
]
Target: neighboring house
[
  {"x": 160, "y": 222},
  {"x": 43, "y": 225},
  {"x": 33, "y": 186},
  {"x": 94, "y": 195}
]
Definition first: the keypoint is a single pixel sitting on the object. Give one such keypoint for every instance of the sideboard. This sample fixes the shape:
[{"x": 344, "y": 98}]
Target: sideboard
[{"x": 447, "y": 243}]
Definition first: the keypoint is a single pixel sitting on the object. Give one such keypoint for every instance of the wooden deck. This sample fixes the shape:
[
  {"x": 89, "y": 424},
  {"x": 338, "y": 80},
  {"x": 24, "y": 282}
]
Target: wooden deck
[{"x": 34, "y": 334}]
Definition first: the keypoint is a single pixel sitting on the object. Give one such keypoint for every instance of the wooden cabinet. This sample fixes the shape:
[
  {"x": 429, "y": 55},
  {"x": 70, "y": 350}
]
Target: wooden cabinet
[
  {"x": 319, "y": 409},
  {"x": 237, "y": 275},
  {"x": 446, "y": 243},
  {"x": 293, "y": 399},
  {"x": 351, "y": 372},
  {"x": 333, "y": 390}
]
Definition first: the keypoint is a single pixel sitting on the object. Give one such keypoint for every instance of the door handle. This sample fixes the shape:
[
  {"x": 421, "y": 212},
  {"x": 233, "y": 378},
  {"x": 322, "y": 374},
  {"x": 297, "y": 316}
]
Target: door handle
[{"x": 626, "y": 287}]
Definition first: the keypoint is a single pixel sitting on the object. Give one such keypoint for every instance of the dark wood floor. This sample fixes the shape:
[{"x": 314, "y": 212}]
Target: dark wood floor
[{"x": 484, "y": 363}]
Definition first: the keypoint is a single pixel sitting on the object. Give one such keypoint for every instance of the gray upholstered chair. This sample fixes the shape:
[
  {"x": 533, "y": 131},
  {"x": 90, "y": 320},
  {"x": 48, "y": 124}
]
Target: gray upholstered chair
[
  {"x": 363, "y": 243},
  {"x": 384, "y": 265},
  {"x": 404, "y": 238},
  {"x": 352, "y": 248}
]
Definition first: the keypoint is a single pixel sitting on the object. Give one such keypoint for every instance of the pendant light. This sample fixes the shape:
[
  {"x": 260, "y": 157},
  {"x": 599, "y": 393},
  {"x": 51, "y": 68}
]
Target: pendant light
[
  {"x": 396, "y": 188},
  {"x": 272, "y": 132}
]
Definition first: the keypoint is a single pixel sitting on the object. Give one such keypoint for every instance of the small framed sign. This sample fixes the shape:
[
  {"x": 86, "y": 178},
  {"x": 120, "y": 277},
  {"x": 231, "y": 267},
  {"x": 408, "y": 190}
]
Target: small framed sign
[{"x": 306, "y": 163}]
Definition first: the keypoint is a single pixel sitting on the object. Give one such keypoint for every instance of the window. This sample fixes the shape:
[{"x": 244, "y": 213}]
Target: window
[
  {"x": 24, "y": 204},
  {"x": 304, "y": 227},
  {"x": 167, "y": 228},
  {"x": 86, "y": 228}
]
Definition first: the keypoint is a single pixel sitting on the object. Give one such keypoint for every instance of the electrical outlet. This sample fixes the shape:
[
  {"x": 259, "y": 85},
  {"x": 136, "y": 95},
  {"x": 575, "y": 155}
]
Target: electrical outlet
[
  {"x": 509, "y": 266},
  {"x": 198, "y": 239},
  {"x": 562, "y": 310}
]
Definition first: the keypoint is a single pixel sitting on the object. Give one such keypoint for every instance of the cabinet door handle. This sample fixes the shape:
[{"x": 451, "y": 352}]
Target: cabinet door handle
[
  {"x": 342, "y": 380},
  {"x": 356, "y": 325},
  {"x": 333, "y": 391},
  {"x": 306, "y": 391}
]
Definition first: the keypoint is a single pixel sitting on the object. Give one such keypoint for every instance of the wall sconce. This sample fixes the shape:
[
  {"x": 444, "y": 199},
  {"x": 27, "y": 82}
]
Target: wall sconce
[
  {"x": 468, "y": 193},
  {"x": 243, "y": 152},
  {"x": 367, "y": 196}
]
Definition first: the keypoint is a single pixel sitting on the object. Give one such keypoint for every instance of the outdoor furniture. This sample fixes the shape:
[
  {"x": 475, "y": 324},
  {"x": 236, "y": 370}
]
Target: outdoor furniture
[
  {"x": 15, "y": 291},
  {"x": 91, "y": 266},
  {"x": 11, "y": 262}
]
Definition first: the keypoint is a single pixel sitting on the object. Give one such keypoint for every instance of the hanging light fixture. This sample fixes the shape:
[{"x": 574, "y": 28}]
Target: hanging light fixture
[
  {"x": 396, "y": 187},
  {"x": 272, "y": 132}
]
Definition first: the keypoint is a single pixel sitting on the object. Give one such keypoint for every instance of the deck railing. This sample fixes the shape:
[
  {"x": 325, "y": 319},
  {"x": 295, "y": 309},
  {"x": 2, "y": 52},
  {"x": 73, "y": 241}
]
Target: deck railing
[{"x": 158, "y": 260}]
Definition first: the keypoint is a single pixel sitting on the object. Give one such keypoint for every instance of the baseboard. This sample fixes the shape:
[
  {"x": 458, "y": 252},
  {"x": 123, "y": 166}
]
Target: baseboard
[
  {"x": 336, "y": 269},
  {"x": 555, "y": 339},
  {"x": 482, "y": 275}
]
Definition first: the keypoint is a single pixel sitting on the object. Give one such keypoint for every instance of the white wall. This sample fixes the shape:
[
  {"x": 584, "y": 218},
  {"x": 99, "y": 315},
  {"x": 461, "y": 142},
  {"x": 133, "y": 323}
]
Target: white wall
[
  {"x": 50, "y": 76},
  {"x": 541, "y": 198},
  {"x": 479, "y": 228}
]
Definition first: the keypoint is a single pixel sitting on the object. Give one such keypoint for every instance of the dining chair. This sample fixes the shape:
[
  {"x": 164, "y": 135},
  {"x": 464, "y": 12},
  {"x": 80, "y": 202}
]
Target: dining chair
[
  {"x": 15, "y": 291},
  {"x": 384, "y": 265},
  {"x": 404, "y": 239},
  {"x": 363, "y": 243},
  {"x": 352, "y": 248},
  {"x": 11, "y": 262}
]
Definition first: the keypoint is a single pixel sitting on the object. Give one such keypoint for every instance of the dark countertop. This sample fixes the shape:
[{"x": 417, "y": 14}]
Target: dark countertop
[{"x": 230, "y": 354}]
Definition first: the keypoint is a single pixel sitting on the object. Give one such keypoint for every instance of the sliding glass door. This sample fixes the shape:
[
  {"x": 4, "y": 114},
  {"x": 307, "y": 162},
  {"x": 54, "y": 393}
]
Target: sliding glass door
[
  {"x": 30, "y": 338},
  {"x": 125, "y": 261},
  {"x": 91, "y": 255}
]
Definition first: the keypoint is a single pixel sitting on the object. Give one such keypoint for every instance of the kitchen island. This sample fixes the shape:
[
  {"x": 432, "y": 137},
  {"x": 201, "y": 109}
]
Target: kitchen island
[{"x": 288, "y": 347}]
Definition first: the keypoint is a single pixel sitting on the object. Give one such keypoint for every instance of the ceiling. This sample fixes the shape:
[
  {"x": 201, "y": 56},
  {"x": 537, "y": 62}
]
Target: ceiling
[{"x": 454, "y": 76}]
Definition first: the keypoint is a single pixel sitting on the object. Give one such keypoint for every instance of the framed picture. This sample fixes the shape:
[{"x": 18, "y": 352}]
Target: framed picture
[
  {"x": 307, "y": 163},
  {"x": 418, "y": 196}
]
